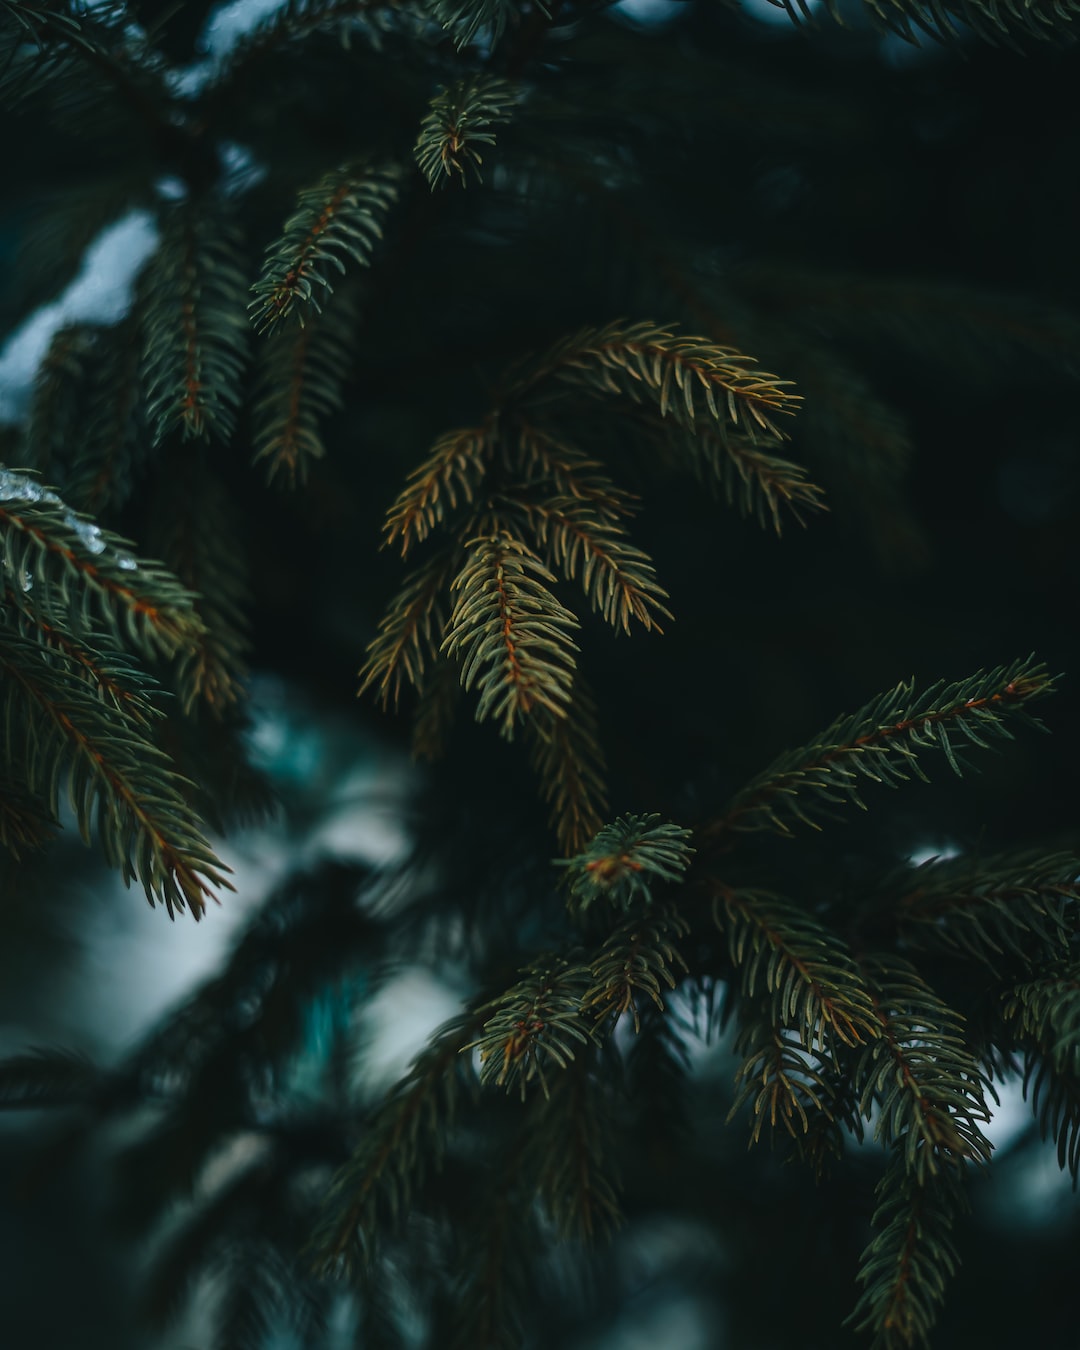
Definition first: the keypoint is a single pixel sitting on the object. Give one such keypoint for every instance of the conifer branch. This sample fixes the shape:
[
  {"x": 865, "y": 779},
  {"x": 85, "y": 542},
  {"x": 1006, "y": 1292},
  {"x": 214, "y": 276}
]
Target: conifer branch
[
  {"x": 678, "y": 374},
  {"x": 411, "y": 633},
  {"x": 115, "y": 778},
  {"x": 339, "y": 218},
  {"x": 56, "y": 409},
  {"x": 536, "y": 1024},
  {"x": 1013, "y": 906},
  {"x": 546, "y": 460},
  {"x": 781, "y": 1079},
  {"x": 757, "y": 483},
  {"x": 619, "y": 579},
  {"x": 461, "y": 118},
  {"x": 104, "y": 456},
  {"x": 1044, "y": 1014},
  {"x": 566, "y": 755},
  {"x": 570, "y": 1131},
  {"x": 26, "y": 823},
  {"x": 195, "y": 338},
  {"x": 626, "y": 859},
  {"x": 639, "y": 958},
  {"x": 995, "y": 21},
  {"x": 402, "y": 1143},
  {"x": 300, "y": 383},
  {"x": 880, "y": 743},
  {"x": 200, "y": 541},
  {"x": 467, "y": 20},
  {"x": 927, "y": 1083},
  {"x": 452, "y": 473},
  {"x": 510, "y": 634},
  {"x": 785, "y": 955},
  {"x": 62, "y": 565},
  {"x": 904, "y": 1269}
]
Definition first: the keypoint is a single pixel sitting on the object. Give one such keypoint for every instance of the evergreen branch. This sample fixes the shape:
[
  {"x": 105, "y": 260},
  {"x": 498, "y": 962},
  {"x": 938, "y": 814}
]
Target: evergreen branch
[
  {"x": 300, "y": 384},
  {"x": 41, "y": 1078},
  {"x": 537, "y": 1023},
  {"x": 104, "y": 456},
  {"x": 810, "y": 979},
  {"x": 1044, "y": 1014},
  {"x": 758, "y": 484},
  {"x": 995, "y": 21},
  {"x": 919, "y": 1070},
  {"x": 26, "y": 823},
  {"x": 108, "y": 674},
  {"x": 195, "y": 338},
  {"x": 200, "y": 541},
  {"x": 467, "y": 20},
  {"x": 435, "y": 711},
  {"x": 460, "y": 119},
  {"x": 339, "y": 218},
  {"x": 114, "y": 776},
  {"x": 566, "y": 755},
  {"x": 904, "y": 1269},
  {"x": 62, "y": 563},
  {"x": 57, "y": 407},
  {"x": 546, "y": 461},
  {"x": 410, "y": 633},
  {"x": 626, "y": 859},
  {"x": 641, "y": 360},
  {"x": 570, "y": 1131},
  {"x": 782, "y": 1080},
  {"x": 404, "y": 1140},
  {"x": 618, "y": 578},
  {"x": 880, "y": 742},
  {"x": 510, "y": 634},
  {"x": 452, "y": 473},
  {"x": 638, "y": 958},
  {"x": 1018, "y": 906}
]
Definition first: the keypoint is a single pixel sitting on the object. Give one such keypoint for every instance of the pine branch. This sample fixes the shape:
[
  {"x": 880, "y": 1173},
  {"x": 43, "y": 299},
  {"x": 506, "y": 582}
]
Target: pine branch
[
  {"x": 461, "y": 118},
  {"x": 782, "y": 1080},
  {"x": 410, "y": 634},
  {"x": 619, "y": 579},
  {"x": 785, "y": 955},
  {"x": 638, "y": 958},
  {"x": 57, "y": 406},
  {"x": 301, "y": 376},
  {"x": 995, "y": 21},
  {"x": 566, "y": 755},
  {"x": 451, "y": 473},
  {"x": 759, "y": 484},
  {"x": 64, "y": 566},
  {"x": 572, "y": 1157},
  {"x": 403, "y": 1142},
  {"x": 107, "y": 673},
  {"x": 535, "y": 1025},
  {"x": 904, "y": 1269},
  {"x": 104, "y": 456},
  {"x": 26, "y": 823},
  {"x": 114, "y": 777},
  {"x": 547, "y": 461},
  {"x": 626, "y": 859},
  {"x": 679, "y": 374},
  {"x": 469, "y": 20},
  {"x": 339, "y": 218},
  {"x": 195, "y": 337},
  {"x": 199, "y": 540},
  {"x": 510, "y": 634},
  {"x": 927, "y": 1083},
  {"x": 1044, "y": 1015},
  {"x": 880, "y": 742},
  {"x": 1011, "y": 906}
]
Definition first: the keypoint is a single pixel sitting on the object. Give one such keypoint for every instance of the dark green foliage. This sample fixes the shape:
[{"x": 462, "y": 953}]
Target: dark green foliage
[{"x": 542, "y": 387}]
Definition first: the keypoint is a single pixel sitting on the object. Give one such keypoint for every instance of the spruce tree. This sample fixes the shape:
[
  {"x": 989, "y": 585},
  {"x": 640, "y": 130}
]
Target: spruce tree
[{"x": 662, "y": 422}]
